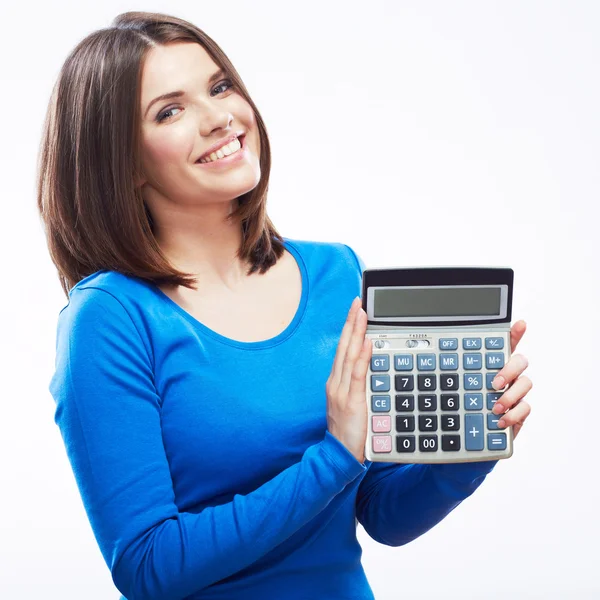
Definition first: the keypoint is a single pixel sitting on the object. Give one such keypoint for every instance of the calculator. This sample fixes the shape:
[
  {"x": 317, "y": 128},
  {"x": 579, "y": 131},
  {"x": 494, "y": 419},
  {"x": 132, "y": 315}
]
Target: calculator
[{"x": 439, "y": 336}]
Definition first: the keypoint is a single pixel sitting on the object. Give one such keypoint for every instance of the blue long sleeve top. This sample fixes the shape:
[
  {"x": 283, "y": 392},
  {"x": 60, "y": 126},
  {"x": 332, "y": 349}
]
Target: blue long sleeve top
[{"x": 204, "y": 463}]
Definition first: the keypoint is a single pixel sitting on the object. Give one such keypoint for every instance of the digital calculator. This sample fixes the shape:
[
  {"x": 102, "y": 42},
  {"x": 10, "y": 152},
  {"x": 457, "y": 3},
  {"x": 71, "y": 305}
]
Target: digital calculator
[{"x": 439, "y": 335}]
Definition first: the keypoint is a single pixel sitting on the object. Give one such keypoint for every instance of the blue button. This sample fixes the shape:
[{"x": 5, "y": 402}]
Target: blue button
[
  {"x": 492, "y": 421},
  {"x": 474, "y": 432},
  {"x": 426, "y": 362},
  {"x": 494, "y": 360},
  {"x": 448, "y": 343},
  {"x": 496, "y": 441},
  {"x": 380, "y": 362},
  {"x": 380, "y": 383},
  {"x": 380, "y": 403},
  {"x": 473, "y": 401},
  {"x": 403, "y": 362},
  {"x": 473, "y": 381},
  {"x": 471, "y": 343},
  {"x": 448, "y": 362},
  {"x": 488, "y": 380},
  {"x": 491, "y": 399},
  {"x": 494, "y": 343},
  {"x": 472, "y": 361}
]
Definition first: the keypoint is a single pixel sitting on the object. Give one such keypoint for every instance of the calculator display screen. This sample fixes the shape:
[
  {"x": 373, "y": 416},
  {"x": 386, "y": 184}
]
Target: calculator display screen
[{"x": 444, "y": 302}]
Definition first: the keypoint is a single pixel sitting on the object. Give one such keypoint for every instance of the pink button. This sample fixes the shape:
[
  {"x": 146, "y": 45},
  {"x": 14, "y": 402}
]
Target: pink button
[
  {"x": 382, "y": 443},
  {"x": 382, "y": 423}
]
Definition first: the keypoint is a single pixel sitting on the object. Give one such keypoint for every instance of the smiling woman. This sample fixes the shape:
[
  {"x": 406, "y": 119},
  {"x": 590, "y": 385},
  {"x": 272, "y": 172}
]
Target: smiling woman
[{"x": 108, "y": 179}]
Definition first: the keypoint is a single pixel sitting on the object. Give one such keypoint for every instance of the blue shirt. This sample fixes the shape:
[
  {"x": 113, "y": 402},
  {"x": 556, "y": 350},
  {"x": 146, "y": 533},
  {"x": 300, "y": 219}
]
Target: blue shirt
[{"x": 204, "y": 463}]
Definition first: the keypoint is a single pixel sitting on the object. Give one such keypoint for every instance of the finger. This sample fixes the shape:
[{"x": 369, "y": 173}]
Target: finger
[
  {"x": 338, "y": 362},
  {"x": 513, "y": 394},
  {"x": 516, "y": 333},
  {"x": 354, "y": 348},
  {"x": 358, "y": 381},
  {"x": 516, "y": 416},
  {"x": 510, "y": 371}
]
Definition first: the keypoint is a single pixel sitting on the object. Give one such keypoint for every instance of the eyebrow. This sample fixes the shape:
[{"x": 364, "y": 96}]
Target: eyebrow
[{"x": 180, "y": 93}]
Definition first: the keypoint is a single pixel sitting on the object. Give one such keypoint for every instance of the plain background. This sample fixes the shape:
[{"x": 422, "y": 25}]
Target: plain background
[{"x": 420, "y": 133}]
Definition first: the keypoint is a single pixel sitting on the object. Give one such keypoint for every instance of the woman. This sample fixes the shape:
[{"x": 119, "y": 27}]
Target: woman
[{"x": 210, "y": 384}]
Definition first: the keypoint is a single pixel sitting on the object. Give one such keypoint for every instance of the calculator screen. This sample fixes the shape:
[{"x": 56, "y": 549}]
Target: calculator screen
[{"x": 402, "y": 302}]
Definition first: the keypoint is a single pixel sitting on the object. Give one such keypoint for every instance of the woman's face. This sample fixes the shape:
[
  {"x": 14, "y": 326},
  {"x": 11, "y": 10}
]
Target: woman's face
[{"x": 177, "y": 131}]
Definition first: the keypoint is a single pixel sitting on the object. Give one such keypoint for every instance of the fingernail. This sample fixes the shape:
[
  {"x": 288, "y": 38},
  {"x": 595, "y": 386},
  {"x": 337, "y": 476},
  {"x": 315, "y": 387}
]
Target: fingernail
[
  {"x": 501, "y": 423},
  {"x": 498, "y": 408},
  {"x": 498, "y": 382}
]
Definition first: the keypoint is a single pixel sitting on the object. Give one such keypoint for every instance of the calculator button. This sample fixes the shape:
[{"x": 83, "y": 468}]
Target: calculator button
[
  {"x": 473, "y": 381},
  {"x": 382, "y": 424},
  {"x": 428, "y": 423},
  {"x": 427, "y": 402},
  {"x": 488, "y": 381},
  {"x": 382, "y": 443},
  {"x": 496, "y": 441},
  {"x": 474, "y": 432},
  {"x": 450, "y": 443},
  {"x": 448, "y": 343},
  {"x": 405, "y": 443},
  {"x": 428, "y": 443},
  {"x": 449, "y": 401},
  {"x": 494, "y": 343},
  {"x": 405, "y": 423},
  {"x": 492, "y": 421},
  {"x": 405, "y": 383},
  {"x": 380, "y": 362},
  {"x": 426, "y": 383},
  {"x": 448, "y": 362},
  {"x": 449, "y": 381},
  {"x": 403, "y": 362},
  {"x": 474, "y": 402},
  {"x": 405, "y": 403},
  {"x": 380, "y": 403},
  {"x": 494, "y": 360},
  {"x": 491, "y": 399},
  {"x": 450, "y": 423},
  {"x": 471, "y": 343},
  {"x": 380, "y": 383},
  {"x": 426, "y": 362},
  {"x": 472, "y": 361}
]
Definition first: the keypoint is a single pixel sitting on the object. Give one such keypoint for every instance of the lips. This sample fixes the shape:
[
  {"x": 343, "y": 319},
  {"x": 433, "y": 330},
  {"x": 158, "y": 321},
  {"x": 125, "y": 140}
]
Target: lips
[{"x": 222, "y": 143}]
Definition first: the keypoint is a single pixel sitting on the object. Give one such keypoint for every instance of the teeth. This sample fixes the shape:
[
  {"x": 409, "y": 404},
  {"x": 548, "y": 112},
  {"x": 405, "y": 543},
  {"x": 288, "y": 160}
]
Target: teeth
[{"x": 223, "y": 151}]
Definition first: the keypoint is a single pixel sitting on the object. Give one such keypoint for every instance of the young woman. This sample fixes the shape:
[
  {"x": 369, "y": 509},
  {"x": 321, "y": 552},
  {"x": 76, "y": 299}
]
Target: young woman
[{"x": 210, "y": 381}]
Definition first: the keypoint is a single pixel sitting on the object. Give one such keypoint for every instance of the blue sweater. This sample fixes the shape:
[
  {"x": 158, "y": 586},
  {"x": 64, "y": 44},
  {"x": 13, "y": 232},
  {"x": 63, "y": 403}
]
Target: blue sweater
[{"x": 204, "y": 464}]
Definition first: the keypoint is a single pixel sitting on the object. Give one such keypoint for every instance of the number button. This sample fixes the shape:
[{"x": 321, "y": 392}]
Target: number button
[
  {"x": 405, "y": 383},
  {"x": 449, "y": 401},
  {"x": 426, "y": 383},
  {"x": 449, "y": 381},
  {"x": 428, "y": 443},
  {"x": 380, "y": 362},
  {"x": 405, "y": 443},
  {"x": 405, "y": 403},
  {"x": 427, "y": 402},
  {"x": 450, "y": 423},
  {"x": 405, "y": 423},
  {"x": 428, "y": 423}
]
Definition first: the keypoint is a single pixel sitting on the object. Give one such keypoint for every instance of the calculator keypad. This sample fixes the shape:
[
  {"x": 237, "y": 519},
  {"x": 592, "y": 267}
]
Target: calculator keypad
[{"x": 435, "y": 405}]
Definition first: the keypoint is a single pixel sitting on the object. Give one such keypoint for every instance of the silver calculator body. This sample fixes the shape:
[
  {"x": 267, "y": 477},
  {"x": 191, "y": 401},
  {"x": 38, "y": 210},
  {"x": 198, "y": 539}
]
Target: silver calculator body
[{"x": 439, "y": 335}]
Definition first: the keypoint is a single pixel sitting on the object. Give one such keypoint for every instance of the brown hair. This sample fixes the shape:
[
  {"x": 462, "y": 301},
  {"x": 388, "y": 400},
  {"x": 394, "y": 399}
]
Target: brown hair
[{"x": 94, "y": 216}]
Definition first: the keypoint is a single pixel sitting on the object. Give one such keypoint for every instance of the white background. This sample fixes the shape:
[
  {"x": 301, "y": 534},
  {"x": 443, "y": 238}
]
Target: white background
[{"x": 419, "y": 133}]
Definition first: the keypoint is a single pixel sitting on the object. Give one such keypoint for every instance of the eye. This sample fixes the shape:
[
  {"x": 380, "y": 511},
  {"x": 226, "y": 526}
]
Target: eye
[{"x": 164, "y": 114}]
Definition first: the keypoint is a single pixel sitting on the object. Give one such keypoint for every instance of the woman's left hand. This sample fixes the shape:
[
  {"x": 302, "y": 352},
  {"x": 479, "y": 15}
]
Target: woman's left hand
[{"x": 512, "y": 398}]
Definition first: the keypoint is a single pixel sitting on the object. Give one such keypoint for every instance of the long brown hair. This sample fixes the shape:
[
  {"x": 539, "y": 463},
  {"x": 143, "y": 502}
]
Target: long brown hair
[{"x": 94, "y": 215}]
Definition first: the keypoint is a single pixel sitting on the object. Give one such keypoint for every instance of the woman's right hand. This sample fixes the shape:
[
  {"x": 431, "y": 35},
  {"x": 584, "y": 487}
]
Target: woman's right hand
[{"x": 346, "y": 386}]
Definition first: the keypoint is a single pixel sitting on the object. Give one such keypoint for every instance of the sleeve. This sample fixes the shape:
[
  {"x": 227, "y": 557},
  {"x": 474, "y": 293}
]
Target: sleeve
[
  {"x": 396, "y": 503},
  {"x": 109, "y": 415}
]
